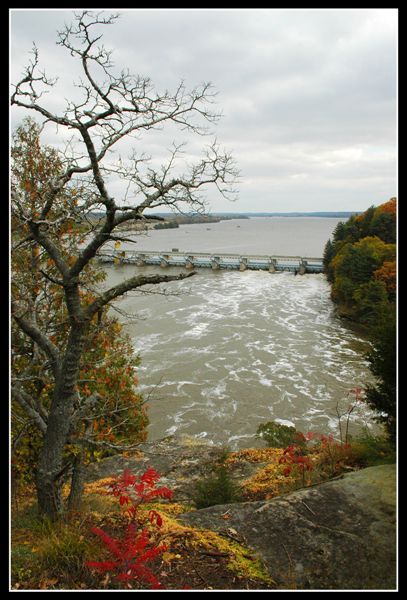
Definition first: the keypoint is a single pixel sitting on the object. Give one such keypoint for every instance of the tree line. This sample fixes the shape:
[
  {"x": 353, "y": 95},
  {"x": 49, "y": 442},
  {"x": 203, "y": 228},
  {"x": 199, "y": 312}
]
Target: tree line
[{"x": 360, "y": 262}]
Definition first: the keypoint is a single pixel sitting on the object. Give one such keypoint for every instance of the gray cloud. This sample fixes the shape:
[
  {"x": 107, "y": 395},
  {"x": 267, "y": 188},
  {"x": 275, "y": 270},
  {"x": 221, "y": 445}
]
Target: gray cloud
[{"x": 308, "y": 96}]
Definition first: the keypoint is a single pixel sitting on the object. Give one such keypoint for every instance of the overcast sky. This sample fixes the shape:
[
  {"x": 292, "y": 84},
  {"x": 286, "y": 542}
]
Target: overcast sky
[{"x": 308, "y": 97}]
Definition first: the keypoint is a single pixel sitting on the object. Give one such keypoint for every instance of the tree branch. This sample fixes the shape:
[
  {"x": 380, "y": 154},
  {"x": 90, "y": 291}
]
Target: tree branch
[
  {"x": 131, "y": 284},
  {"x": 85, "y": 407},
  {"x": 26, "y": 402},
  {"x": 39, "y": 338}
]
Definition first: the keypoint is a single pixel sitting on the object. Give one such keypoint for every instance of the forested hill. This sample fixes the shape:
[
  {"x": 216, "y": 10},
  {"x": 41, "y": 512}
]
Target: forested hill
[{"x": 360, "y": 264}]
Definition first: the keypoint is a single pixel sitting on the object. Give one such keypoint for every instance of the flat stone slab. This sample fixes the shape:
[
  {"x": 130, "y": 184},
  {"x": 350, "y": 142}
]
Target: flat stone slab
[{"x": 338, "y": 535}]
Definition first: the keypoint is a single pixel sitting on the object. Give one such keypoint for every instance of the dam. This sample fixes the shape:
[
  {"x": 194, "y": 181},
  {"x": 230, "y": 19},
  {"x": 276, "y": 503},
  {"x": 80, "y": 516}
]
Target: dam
[{"x": 193, "y": 260}]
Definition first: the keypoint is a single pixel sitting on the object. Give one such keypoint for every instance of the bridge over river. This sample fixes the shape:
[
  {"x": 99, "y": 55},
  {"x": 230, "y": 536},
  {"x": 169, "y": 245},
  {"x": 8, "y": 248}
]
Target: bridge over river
[{"x": 193, "y": 260}]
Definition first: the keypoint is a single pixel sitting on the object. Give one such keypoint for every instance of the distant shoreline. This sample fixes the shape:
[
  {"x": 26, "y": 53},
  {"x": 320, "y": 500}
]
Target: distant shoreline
[{"x": 245, "y": 215}]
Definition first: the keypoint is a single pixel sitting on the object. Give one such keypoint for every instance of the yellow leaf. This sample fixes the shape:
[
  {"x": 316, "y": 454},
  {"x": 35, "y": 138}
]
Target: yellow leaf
[
  {"x": 48, "y": 582},
  {"x": 167, "y": 557}
]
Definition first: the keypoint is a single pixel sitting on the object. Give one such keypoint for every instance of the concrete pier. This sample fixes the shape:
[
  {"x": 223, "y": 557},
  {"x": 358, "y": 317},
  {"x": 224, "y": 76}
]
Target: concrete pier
[
  {"x": 164, "y": 261},
  {"x": 215, "y": 261},
  {"x": 189, "y": 262},
  {"x": 242, "y": 263},
  {"x": 272, "y": 267}
]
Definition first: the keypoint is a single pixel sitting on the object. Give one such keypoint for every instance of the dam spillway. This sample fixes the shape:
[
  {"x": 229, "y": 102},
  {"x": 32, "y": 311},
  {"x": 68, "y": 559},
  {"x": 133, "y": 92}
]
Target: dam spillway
[{"x": 215, "y": 261}]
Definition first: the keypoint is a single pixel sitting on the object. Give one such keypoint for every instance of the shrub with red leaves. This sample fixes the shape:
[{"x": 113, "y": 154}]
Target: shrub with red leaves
[
  {"x": 134, "y": 549},
  {"x": 332, "y": 455},
  {"x": 294, "y": 455},
  {"x": 131, "y": 489},
  {"x": 130, "y": 556}
]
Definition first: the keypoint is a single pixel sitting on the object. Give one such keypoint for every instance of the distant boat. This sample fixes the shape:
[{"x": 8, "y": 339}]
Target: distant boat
[{"x": 208, "y": 229}]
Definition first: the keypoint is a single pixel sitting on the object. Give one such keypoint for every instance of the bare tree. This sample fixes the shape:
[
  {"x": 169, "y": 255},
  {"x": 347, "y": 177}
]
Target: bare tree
[{"x": 114, "y": 107}]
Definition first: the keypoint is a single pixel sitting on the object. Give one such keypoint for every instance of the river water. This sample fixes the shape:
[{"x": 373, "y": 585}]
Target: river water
[{"x": 224, "y": 351}]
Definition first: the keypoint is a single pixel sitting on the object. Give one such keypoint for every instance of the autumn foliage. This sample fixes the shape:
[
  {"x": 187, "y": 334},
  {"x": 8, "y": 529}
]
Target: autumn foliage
[
  {"x": 325, "y": 454},
  {"x": 108, "y": 366},
  {"x": 361, "y": 265},
  {"x": 131, "y": 553},
  {"x": 312, "y": 458},
  {"x": 388, "y": 274},
  {"x": 389, "y": 207}
]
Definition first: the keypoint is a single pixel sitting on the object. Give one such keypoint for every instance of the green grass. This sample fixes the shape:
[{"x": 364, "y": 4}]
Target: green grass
[
  {"x": 371, "y": 450},
  {"x": 50, "y": 554},
  {"x": 65, "y": 550},
  {"x": 24, "y": 565}
]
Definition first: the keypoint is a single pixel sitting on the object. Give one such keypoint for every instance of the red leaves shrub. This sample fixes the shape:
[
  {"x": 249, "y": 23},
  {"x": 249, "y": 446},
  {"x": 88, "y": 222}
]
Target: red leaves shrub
[
  {"x": 131, "y": 555},
  {"x": 135, "y": 548},
  {"x": 328, "y": 455},
  {"x": 136, "y": 491},
  {"x": 294, "y": 455}
]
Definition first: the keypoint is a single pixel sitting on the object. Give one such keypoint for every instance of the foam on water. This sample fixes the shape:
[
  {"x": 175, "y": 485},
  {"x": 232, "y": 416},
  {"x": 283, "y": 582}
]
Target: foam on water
[{"x": 233, "y": 349}]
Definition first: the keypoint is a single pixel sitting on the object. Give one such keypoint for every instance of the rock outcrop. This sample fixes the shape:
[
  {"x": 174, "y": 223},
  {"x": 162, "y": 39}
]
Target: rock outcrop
[
  {"x": 181, "y": 461},
  {"x": 339, "y": 535}
]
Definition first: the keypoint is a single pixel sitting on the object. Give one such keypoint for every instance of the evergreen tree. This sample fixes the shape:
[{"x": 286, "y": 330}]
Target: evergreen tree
[
  {"x": 365, "y": 221},
  {"x": 383, "y": 226},
  {"x": 339, "y": 232},
  {"x": 382, "y": 396},
  {"x": 328, "y": 255}
]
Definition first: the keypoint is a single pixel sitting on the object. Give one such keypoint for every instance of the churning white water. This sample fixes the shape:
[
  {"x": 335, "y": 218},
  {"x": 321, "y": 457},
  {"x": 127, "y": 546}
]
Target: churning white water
[{"x": 225, "y": 351}]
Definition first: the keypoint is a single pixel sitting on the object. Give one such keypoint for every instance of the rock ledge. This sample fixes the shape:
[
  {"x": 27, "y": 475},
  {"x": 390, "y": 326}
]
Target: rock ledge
[{"x": 339, "y": 535}]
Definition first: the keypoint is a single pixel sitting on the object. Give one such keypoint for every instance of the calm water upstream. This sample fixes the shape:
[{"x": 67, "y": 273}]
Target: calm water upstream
[{"x": 228, "y": 350}]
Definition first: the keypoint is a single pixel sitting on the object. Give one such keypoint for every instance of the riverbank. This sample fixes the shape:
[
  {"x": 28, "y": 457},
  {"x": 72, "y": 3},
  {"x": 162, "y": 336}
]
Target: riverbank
[
  {"x": 338, "y": 534},
  {"x": 335, "y": 534}
]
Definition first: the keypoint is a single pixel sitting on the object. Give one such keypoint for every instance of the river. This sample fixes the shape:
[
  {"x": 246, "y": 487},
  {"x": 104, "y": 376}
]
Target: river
[{"x": 224, "y": 351}]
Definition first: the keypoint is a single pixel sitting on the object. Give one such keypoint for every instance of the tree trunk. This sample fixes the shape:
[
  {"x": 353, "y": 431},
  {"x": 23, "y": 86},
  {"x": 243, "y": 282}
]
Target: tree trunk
[
  {"x": 51, "y": 460},
  {"x": 49, "y": 496},
  {"x": 77, "y": 484}
]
